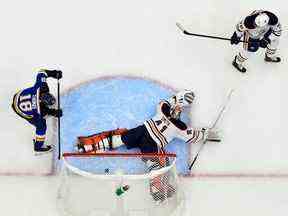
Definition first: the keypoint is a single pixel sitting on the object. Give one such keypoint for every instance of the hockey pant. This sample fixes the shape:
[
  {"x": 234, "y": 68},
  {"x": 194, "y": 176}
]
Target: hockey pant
[
  {"x": 106, "y": 140},
  {"x": 249, "y": 48}
]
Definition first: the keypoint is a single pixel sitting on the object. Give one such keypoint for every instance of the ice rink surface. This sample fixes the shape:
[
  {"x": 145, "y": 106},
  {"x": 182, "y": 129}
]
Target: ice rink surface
[{"x": 246, "y": 174}]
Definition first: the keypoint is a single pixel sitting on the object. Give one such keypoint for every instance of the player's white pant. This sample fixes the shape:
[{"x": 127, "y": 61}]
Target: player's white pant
[
  {"x": 244, "y": 54},
  {"x": 272, "y": 47}
]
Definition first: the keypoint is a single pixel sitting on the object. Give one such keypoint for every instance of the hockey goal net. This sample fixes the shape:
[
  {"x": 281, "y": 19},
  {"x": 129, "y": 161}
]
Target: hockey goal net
[{"x": 122, "y": 184}]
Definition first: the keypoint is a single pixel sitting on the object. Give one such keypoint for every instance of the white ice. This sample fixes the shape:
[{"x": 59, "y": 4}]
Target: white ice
[{"x": 90, "y": 39}]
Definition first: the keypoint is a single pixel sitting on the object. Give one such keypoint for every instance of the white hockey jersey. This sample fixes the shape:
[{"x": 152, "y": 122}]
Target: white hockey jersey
[
  {"x": 163, "y": 128},
  {"x": 247, "y": 25}
]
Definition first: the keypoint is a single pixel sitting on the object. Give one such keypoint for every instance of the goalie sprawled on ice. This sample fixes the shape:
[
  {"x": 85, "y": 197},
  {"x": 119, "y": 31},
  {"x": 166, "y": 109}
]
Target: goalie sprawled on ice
[{"x": 154, "y": 134}]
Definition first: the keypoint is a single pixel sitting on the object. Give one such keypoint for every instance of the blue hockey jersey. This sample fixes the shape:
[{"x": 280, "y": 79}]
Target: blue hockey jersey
[{"x": 26, "y": 104}]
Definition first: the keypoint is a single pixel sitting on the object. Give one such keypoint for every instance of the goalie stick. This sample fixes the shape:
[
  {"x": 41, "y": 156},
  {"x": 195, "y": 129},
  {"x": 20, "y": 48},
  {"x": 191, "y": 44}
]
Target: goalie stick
[
  {"x": 213, "y": 126},
  {"x": 202, "y": 35}
]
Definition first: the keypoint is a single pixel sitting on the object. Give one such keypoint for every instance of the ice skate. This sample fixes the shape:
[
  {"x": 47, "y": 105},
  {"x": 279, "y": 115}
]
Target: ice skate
[
  {"x": 274, "y": 59},
  {"x": 238, "y": 66},
  {"x": 43, "y": 150}
]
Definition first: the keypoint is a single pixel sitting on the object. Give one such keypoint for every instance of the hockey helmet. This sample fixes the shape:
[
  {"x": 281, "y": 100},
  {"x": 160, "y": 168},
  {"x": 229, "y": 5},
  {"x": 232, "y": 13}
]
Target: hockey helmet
[
  {"x": 262, "y": 19},
  {"x": 47, "y": 98}
]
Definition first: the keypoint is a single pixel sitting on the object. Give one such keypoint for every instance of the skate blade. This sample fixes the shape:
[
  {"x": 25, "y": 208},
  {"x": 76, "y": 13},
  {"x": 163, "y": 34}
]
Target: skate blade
[{"x": 42, "y": 153}]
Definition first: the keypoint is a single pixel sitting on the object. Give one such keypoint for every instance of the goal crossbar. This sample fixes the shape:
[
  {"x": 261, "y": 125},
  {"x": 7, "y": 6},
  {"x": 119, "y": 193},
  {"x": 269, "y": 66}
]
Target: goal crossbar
[{"x": 117, "y": 154}]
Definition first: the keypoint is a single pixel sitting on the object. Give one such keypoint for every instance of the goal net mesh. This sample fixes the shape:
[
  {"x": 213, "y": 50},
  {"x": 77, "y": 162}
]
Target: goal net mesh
[{"x": 119, "y": 184}]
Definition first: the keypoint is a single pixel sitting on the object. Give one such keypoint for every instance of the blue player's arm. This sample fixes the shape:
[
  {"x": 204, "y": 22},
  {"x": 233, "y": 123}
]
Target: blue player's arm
[
  {"x": 41, "y": 81},
  {"x": 50, "y": 111},
  {"x": 42, "y": 75}
]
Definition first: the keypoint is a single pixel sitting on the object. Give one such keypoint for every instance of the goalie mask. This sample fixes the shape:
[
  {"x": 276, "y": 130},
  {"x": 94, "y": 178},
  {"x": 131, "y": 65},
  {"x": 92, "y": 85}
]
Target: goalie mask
[
  {"x": 47, "y": 99},
  {"x": 179, "y": 101}
]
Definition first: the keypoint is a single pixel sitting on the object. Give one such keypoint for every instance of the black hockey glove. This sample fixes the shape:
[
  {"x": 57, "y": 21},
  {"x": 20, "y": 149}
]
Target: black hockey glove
[
  {"x": 44, "y": 88},
  {"x": 235, "y": 39},
  {"x": 57, "y": 74},
  {"x": 264, "y": 42}
]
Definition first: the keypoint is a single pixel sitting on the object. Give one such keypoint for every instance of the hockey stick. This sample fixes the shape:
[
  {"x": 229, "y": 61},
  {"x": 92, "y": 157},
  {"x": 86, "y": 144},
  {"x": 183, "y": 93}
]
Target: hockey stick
[
  {"x": 58, "y": 119},
  {"x": 213, "y": 126},
  {"x": 223, "y": 108},
  {"x": 202, "y": 35}
]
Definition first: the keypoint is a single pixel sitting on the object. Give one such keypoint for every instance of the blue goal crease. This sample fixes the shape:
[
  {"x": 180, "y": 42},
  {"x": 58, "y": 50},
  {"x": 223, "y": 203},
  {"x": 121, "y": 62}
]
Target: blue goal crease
[{"x": 115, "y": 102}]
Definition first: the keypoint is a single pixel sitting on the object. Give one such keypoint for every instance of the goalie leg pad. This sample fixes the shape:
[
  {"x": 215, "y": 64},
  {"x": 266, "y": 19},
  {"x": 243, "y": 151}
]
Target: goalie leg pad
[{"x": 101, "y": 141}]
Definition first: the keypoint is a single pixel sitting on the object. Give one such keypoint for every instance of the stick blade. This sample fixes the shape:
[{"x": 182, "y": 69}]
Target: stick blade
[{"x": 213, "y": 140}]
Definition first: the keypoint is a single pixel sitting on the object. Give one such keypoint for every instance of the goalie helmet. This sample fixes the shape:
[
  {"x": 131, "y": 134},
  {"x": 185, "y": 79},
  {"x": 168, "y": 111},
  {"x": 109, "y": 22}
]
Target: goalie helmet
[
  {"x": 261, "y": 20},
  {"x": 179, "y": 101},
  {"x": 183, "y": 98}
]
